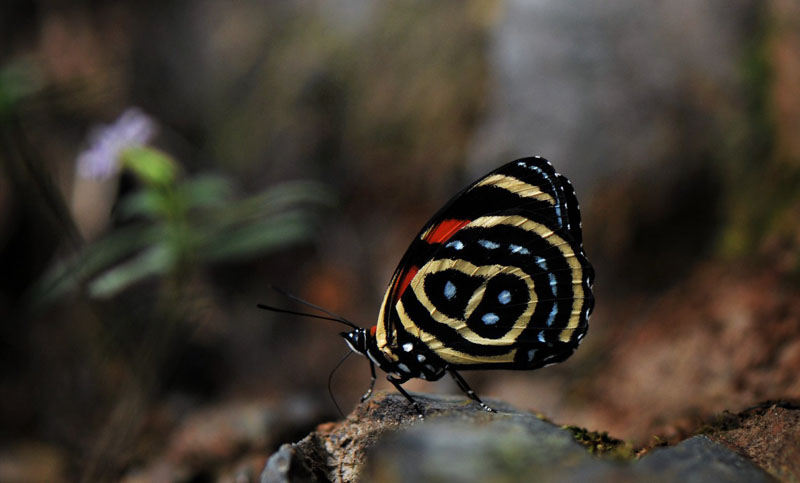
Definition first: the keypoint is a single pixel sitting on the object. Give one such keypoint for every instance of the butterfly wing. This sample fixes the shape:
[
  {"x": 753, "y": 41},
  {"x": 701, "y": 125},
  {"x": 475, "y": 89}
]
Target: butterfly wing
[{"x": 497, "y": 278}]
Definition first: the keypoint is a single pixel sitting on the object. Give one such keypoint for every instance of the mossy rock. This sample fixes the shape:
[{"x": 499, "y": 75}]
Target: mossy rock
[{"x": 384, "y": 440}]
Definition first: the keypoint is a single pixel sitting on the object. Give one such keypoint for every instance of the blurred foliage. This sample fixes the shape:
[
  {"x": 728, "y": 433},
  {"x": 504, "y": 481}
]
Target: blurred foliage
[
  {"x": 177, "y": 224},
  {"x": 764, "y": 184},
  {"x": 402, "y": 91},
  {"x": 17, "y": 81}
]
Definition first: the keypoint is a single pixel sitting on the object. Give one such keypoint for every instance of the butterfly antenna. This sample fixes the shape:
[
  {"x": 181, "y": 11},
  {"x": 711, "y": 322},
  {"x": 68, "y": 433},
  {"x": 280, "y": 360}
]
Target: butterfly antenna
[
  {"x": 297, "y": 299},
  {"x": 305, "y": 314},
  {"x": 330, "y": 382},
  {"x": 331, "y": 316}
]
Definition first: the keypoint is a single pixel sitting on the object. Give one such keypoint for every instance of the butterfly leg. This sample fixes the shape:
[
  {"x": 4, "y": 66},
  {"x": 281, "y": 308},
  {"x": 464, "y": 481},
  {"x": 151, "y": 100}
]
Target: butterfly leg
[
  {"x": 371, "y": 382},
  {"x": 462, "y": 384},
  {"x": 397, "y": 384}
]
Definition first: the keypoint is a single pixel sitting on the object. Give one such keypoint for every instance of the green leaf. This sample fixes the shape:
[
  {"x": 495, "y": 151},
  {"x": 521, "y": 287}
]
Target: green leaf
[
  {"x": 257, "y": 238},
  {"x": 147, "y": 203},
  {"x": 263, "y": 205},
  {"x": 154, "y": 261},
  {"x": 205, "y": 191},
  {"x": 192, "y": 220},
  {"x": 18, "y": 80},
  {"x": 150, "y": 165},
  {"x": 67, "y": 275},
  {"x": 277, "y": 198}
]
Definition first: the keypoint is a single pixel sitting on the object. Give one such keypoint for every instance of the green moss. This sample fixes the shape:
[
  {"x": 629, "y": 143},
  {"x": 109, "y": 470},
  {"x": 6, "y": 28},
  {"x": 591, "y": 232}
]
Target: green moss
[{"x": 601, "y": 444}]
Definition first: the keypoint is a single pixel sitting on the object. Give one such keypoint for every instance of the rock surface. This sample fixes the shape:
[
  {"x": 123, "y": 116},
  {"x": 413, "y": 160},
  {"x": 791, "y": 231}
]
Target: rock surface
[
  {"x": 768, "y": 435},
  {"x": 384, "y": 440}
]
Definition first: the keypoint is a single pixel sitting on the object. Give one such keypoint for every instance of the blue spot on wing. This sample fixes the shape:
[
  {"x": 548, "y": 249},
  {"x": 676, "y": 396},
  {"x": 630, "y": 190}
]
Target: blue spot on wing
[
  {"x": 490, "y": 318},
  {"x": 449, "y": 290}
]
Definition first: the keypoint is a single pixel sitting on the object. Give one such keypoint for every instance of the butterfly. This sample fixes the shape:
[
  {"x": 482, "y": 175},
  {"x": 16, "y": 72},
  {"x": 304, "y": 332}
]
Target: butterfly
[{"x": 496, "y": 279}]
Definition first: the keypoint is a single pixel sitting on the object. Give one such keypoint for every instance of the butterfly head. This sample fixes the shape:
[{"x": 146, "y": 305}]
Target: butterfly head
[
  {"x": 362, "y": 341},
  {"x": 357, "y": 340}
]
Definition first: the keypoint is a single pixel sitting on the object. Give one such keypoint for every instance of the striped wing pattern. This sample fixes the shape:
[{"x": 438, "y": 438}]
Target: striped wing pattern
[{"x": 497, "y": 279}]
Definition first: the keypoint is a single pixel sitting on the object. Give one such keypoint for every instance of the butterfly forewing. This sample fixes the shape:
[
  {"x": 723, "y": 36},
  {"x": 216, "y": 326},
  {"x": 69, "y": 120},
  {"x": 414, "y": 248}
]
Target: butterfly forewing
[{"x": 497, "y": 278}]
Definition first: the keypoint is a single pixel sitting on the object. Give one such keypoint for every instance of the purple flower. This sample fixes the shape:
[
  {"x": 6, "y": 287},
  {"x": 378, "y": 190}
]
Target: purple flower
[{"x": 101, "y": 159}]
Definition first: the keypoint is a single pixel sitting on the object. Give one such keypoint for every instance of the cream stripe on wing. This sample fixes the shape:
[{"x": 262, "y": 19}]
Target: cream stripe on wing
[
  {"x": 449, "y": 354},
  {"x": 566, "y": 251},
  {"x": 519, "y": 188},
  {"x": 434, "y": 266}
]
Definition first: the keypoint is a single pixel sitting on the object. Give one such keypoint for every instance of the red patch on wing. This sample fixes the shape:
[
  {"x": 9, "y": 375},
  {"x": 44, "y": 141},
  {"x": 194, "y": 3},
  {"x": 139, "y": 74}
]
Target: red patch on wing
[
  {"x": 403, "y": 285},
  {"x": 442, "y": 231},
  {"x": 373, "y": 330}
]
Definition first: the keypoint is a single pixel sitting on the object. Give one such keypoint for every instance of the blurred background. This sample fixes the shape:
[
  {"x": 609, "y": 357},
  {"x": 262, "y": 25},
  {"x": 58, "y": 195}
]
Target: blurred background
[{"x": 164, "y": 162}]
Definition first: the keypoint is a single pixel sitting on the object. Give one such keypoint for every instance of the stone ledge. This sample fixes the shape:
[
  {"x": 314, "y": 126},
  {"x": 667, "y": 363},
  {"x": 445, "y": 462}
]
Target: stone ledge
[{"x": 384, "y": 440}]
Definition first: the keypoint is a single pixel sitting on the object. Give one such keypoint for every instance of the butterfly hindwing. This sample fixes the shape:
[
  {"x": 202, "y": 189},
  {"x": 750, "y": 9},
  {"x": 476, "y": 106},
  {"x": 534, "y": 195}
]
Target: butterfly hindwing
[{"x": 497, "y": 278}]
